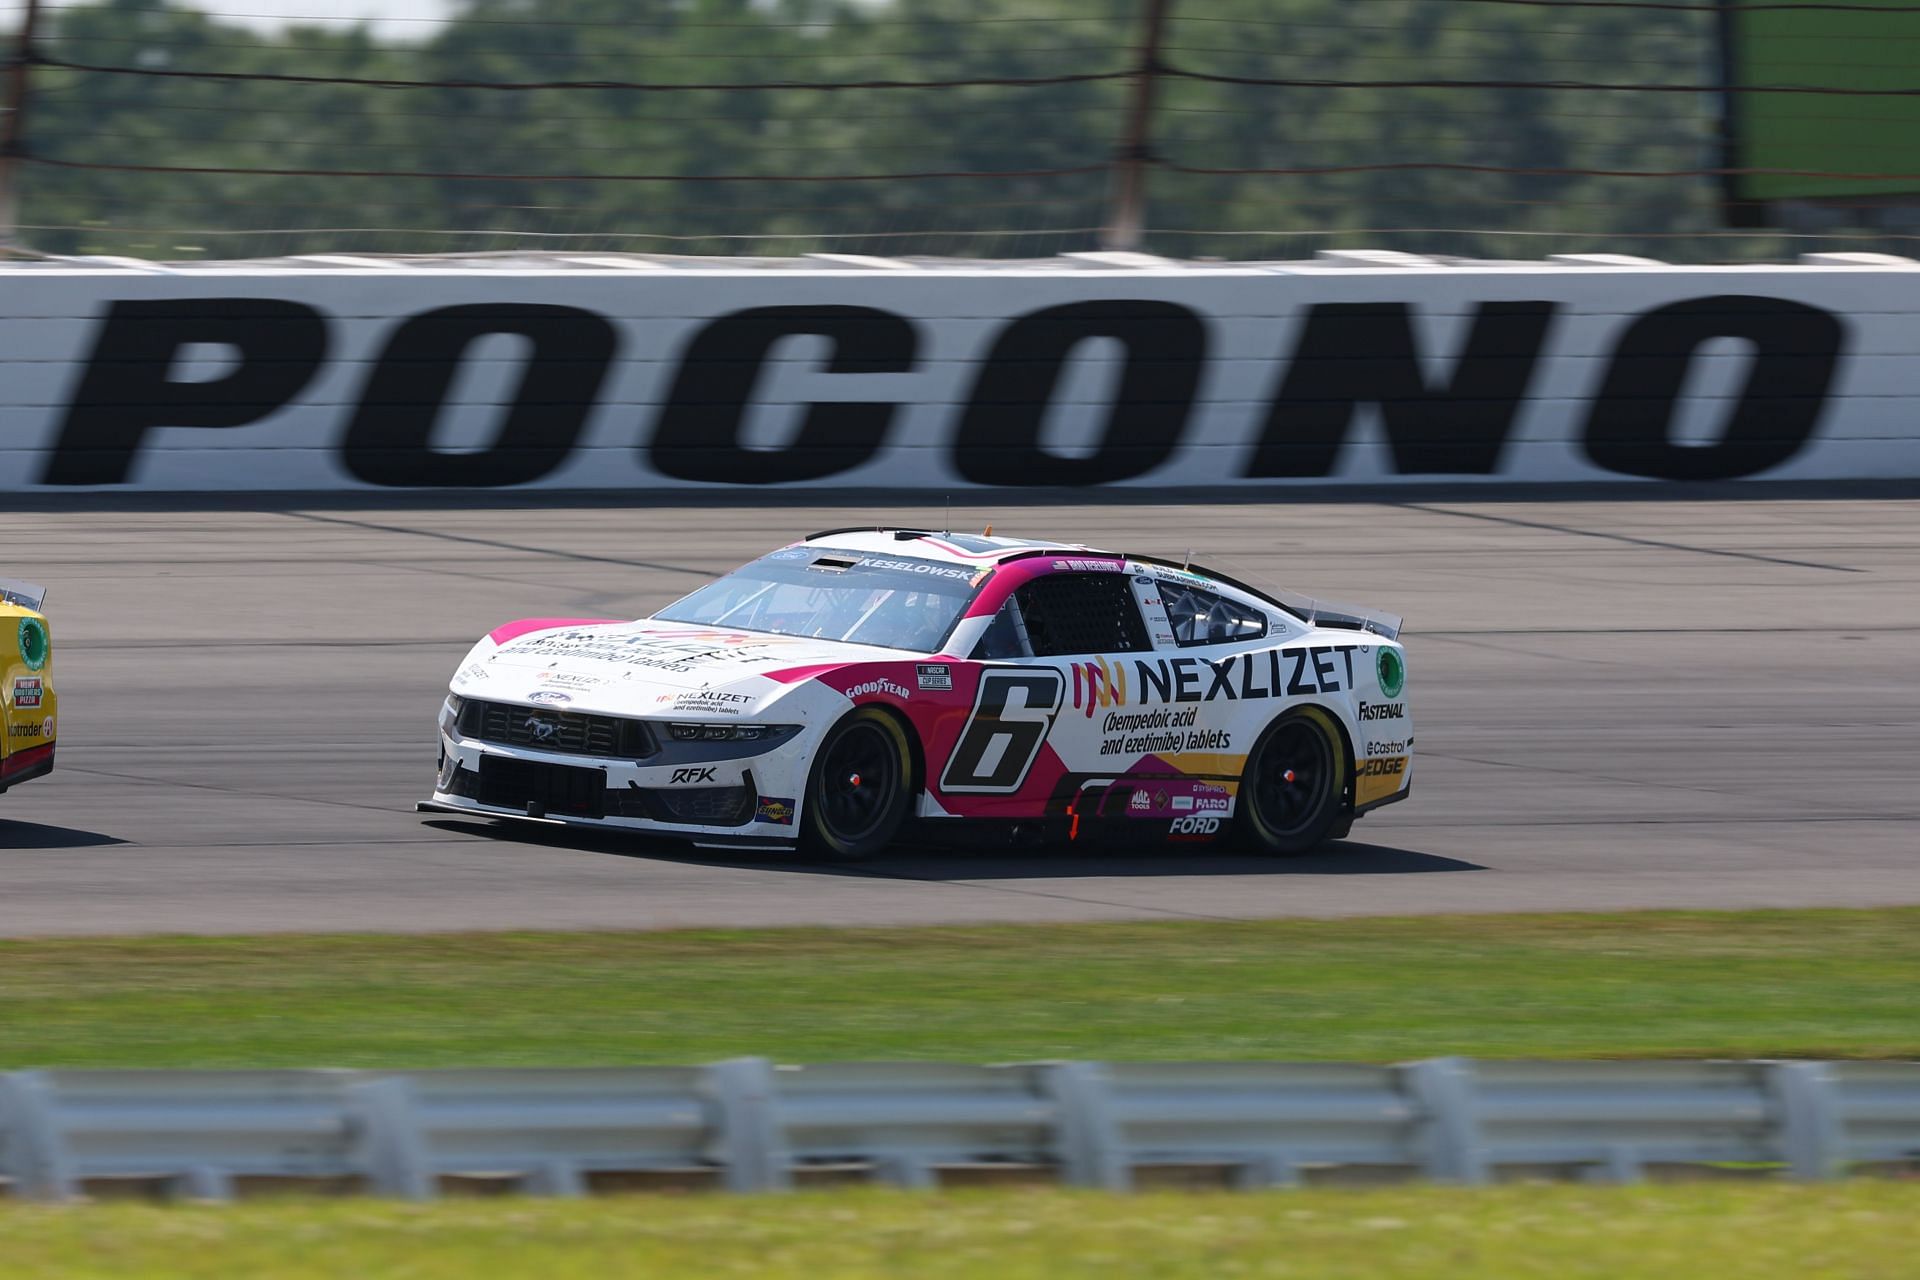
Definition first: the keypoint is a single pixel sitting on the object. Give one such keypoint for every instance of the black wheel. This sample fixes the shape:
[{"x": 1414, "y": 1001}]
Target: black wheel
[
  {"x": 859, "y": 790},
  {"x": 1293, "y": 793}
]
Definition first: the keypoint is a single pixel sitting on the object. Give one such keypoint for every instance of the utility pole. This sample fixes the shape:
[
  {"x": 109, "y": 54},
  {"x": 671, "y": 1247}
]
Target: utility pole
[
  {"x": 1126, "y": 207},
  {"x": 13, "y": 142}
]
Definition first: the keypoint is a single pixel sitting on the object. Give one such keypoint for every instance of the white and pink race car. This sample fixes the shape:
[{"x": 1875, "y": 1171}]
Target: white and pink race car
[{"x": 836, "y": 690}]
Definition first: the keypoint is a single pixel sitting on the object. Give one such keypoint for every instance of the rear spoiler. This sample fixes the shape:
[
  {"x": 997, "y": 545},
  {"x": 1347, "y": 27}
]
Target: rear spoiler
[
  {"x": 14, "y": 591},
  {"x": 1349, "y": 617}
]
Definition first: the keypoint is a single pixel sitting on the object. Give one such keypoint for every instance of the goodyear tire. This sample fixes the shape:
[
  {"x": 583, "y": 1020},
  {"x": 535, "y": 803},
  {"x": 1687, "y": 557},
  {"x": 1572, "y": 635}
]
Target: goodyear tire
[
  {"x": 1293, "y": 793},
  {"x": 859, "y": 789}
]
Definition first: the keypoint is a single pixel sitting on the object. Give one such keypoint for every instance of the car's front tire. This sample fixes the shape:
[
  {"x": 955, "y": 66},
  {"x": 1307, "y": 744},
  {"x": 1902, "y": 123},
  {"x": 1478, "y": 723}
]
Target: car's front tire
[
  {"x": 1293, "y": 793},
  {"x": 859, "y": 790}
]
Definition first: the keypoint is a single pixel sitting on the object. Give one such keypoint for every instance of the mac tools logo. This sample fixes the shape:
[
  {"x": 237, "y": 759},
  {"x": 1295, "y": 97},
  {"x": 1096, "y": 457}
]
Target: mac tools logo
[{"x": 1442, "y": 412}]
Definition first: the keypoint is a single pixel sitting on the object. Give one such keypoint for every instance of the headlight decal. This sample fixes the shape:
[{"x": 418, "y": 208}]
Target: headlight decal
[{"x": 727, "y": 732}]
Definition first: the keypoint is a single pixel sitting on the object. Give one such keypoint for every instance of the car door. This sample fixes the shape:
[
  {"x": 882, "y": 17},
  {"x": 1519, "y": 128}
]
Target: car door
[{"x": 1052, "y": 660}]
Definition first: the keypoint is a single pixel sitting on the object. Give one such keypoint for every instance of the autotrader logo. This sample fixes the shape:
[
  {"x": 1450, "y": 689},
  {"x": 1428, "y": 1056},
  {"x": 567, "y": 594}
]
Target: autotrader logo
[{"x": 1392, "y": 669}]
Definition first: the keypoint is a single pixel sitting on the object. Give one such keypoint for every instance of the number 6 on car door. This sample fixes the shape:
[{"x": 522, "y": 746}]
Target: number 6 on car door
[{"x": 1012, "y": 713}]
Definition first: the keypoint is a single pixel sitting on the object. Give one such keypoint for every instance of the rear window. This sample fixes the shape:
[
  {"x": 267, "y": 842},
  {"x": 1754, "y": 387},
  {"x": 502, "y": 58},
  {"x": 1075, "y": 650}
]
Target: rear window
[{"x": 1201, "y": 617}]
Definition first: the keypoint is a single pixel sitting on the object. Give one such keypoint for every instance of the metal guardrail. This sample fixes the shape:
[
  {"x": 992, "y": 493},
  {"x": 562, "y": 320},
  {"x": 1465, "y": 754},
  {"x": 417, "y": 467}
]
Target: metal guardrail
[{"x": 753, "y": 1126}]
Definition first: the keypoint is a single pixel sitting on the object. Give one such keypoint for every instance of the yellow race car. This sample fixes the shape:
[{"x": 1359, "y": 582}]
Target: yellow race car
[{"x": 27, "y": 702}]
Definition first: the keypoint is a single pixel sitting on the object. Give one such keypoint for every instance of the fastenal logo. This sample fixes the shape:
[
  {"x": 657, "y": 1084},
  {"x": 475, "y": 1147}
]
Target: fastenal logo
[
  {"x": 1392, "y": 669},
  {"x": 1099, "y": 684}
]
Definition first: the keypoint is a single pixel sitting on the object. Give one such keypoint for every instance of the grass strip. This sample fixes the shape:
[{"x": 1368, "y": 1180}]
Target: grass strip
[
  {"x": 1687, "y": 984},
  {"x": 1862, "y": 1231}
]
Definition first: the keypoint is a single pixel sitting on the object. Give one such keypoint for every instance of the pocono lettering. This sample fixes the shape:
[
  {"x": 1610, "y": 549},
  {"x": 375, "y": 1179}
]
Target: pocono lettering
[{"x": 1348, "y": 361}]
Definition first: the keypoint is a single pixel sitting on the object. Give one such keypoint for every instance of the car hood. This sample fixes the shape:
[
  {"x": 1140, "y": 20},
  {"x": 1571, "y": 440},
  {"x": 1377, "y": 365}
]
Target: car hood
[{"x": 648, "y": 667}]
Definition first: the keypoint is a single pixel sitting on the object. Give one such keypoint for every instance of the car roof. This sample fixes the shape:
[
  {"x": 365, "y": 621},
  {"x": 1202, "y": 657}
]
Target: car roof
[
  {"x": 979, "y": 550},
  {"x": 971, "y": 549}
]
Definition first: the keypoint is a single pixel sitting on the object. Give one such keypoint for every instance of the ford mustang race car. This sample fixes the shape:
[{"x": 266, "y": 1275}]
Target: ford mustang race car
[
  {"x": 27, "y": 702},
  {"x": 830, "y": 692}
]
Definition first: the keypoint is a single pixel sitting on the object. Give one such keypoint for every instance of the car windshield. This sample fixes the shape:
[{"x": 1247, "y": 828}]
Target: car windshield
[{"x": 856, "y": 596}]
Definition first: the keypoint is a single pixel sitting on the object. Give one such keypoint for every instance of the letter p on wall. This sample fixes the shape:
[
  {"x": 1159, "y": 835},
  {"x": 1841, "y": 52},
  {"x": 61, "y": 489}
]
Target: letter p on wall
[{"x": 129, "y": 386}]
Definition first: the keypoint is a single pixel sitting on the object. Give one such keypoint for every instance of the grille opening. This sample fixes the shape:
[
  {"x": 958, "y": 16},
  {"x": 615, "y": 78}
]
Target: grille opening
[
  {"x": 694, "y": 806},
  {"x": 569, "y": 732}
]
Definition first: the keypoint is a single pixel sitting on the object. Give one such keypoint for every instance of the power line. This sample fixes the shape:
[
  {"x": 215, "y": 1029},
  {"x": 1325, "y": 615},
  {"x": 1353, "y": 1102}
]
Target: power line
[
  {"x": 1398, "y": 166},
  {"x": 920, "y": 176},
  {"x": 1573, "y": 86},
  {"x": 833, "y": 86},
  {"x": 1704, "y": 6}
]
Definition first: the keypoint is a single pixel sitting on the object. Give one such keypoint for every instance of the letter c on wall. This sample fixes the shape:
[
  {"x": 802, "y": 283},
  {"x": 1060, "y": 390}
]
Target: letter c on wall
[{"x": 698, "y": 435}]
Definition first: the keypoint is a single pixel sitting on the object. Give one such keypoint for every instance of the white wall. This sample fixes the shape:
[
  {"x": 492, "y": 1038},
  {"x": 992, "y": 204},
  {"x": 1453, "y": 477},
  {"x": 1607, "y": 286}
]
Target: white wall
[{"x": 1596, "y": 373}]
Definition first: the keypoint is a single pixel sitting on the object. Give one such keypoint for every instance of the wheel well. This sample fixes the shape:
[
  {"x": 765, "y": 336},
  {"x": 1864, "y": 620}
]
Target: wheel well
[
  {"x": 1346, "y": 744},
  {"x": 917, "y": 754}
]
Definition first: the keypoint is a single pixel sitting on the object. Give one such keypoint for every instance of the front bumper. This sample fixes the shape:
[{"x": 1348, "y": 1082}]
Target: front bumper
[{"x": 750, "y": 801}]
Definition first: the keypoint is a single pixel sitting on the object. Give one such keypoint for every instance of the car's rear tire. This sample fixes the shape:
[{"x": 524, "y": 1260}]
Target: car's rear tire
[
  {"x": 1293, "y": 793},
  {"x": 859, "y": 789}
]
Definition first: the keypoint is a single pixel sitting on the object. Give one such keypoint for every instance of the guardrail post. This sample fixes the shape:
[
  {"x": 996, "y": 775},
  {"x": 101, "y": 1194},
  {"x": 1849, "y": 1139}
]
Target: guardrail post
[
  {"x": 905, "y": 1171},
  {"x": 33, "y": 1152},
  {"x": 1810, "y": 1133},
  {"x": 751, "y": 1143},
  {"x": 204, "y": 1182},
  {"x": 1619, "y": 1166},
  {"x": 388, "y": 1142},
  {"x": 554, "y": 1178},
  {"x": 1444, "y": 1088},
  {"x": 1274, "y": 1169},
  {"x": 1087, "y": 1133}
]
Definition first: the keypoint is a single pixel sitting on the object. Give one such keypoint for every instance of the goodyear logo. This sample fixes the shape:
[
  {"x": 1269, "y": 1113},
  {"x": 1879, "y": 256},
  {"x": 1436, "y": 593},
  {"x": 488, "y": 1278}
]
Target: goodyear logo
[{"x": 1098, "y": 684}]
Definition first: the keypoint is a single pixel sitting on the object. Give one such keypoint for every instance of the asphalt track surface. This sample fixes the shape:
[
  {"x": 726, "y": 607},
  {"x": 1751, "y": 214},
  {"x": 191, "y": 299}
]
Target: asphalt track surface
[{"x": 1621, "y": 704}]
